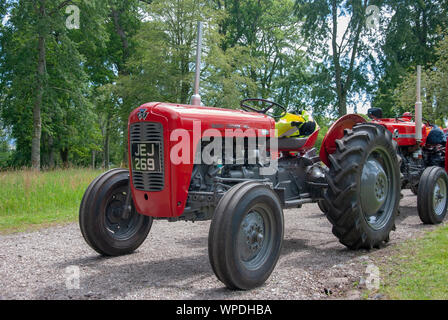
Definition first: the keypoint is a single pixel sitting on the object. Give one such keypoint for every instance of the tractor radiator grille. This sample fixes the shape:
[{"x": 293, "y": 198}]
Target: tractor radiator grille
[{"x": 145, "y": 132}]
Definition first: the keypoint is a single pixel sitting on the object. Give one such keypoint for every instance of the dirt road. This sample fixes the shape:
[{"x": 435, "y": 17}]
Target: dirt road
[{"x": 173, "y": 263}]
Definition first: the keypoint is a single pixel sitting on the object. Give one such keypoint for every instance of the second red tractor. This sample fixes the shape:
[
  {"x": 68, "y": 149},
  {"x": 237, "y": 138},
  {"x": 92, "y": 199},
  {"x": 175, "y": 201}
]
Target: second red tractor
[{"x": 424, "y": 163}]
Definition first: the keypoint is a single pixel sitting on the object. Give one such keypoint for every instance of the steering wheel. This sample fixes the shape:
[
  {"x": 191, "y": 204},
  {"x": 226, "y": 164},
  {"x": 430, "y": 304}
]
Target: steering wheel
[{"x": 265, "y": 111}]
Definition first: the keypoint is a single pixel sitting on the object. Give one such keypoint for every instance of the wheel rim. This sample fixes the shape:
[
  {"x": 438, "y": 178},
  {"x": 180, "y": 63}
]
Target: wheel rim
[
  {"x": 377, "y": 188},
  {"x": 119, "y": 225},
  {"x": 439, "y": 196},
  {"x": 255, "y": 237}
]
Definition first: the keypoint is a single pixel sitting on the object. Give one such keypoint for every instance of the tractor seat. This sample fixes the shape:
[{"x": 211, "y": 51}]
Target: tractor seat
[{"x": 291, "y": 144}]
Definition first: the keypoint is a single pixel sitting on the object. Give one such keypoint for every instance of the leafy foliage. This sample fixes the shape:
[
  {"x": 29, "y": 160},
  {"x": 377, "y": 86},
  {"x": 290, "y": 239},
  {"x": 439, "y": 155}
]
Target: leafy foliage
[
  {"x": 65, "y": 95},
  {"x": 434, "y": 85},
  {"x": 411, "y": 37}
]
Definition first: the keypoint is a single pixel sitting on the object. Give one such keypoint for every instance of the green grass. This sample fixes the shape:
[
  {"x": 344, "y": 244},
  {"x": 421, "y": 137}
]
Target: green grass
[
  {"x": 419, "y": 270},
  {"x": 30, "y": 200}
]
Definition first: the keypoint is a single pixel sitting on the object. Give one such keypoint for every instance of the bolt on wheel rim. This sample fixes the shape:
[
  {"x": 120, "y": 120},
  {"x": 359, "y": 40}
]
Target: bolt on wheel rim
[
  {"x": 377, "y": 183},
  {"x": 254, "y": 237},
  {"x": 439, "y": 196}
]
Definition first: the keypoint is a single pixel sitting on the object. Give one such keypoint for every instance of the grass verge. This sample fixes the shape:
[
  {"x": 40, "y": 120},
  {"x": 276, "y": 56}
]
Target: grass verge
[
  {"x": 29, "y": 200},
  {"x": 419, "y": 270}
]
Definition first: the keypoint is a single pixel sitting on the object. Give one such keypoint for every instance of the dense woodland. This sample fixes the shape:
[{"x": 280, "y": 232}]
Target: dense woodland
[{"x": 65, "y": 94}]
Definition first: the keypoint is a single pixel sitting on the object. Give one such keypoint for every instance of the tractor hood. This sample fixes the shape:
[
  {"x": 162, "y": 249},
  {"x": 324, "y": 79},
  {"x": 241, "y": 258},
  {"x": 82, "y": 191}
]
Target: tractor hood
[
  {"x": 403, "y": 130},
  {"x": 183, "y": 116},
  {"x": 178, "y": 130}
]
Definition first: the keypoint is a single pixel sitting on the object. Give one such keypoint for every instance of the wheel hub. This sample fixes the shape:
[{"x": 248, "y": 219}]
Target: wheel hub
[
  {"x": 115, "y": 212},
  {"x": 439, "y": 196},
  {"x": 251, "y": 235},
  {"x": 121, "y": 223},
  {"x": 374, "y": 187}
]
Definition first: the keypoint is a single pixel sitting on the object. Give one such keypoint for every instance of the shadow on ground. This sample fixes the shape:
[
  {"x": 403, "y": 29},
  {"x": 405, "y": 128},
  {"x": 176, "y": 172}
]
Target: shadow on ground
[{"x": 304, "y": 249}]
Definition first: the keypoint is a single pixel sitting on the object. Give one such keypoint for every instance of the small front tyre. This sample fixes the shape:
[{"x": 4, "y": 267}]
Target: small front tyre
[
  {"x": 432, "y": 195},
  {"x": 105, "y": 224},
  {"x": 246, "y": 236}
]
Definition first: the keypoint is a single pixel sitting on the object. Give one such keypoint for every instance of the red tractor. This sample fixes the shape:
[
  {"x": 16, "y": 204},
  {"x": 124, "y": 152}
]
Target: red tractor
[
  {"x": 424, "y": 164},
  {"x": 179, "y": 172},
  {"x": 245, "y": 189}
]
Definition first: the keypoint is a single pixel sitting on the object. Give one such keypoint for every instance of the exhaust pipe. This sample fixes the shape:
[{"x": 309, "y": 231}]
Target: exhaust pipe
[
  {"x": 196, "y": 98},
  {"x": 419, "y": 107}
]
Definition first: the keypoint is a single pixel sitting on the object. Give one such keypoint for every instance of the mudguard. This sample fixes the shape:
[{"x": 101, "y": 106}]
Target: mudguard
[{"x": 337, "y": 132}]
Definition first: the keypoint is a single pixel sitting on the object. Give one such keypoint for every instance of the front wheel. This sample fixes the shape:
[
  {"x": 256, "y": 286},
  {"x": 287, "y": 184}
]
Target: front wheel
[
  {"x": 105, "y": 224},
  {"x": 246, "y": 236},
  {"x": 432, "y": 195},
  {"x": 364, "y": 187}
]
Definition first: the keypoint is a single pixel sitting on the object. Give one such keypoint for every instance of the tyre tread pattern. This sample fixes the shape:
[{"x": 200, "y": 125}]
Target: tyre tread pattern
[{"x": 341, "y": 196}]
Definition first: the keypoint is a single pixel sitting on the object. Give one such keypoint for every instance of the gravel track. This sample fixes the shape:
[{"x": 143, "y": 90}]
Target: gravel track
[{"x": 173, "y": 262}]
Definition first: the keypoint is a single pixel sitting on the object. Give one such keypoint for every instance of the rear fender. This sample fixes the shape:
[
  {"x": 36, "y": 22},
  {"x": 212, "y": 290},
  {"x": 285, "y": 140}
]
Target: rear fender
[{"x": 337, "y": 132}]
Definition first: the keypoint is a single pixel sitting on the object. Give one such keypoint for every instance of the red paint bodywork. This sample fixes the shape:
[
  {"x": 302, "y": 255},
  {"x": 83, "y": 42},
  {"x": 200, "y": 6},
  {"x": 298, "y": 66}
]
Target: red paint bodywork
[
  {"x": 336, "y": 132},
  {"x": 406, "y": 130},
  {"x": 170, "y": 202},
  {"x": 406, "y": 127}
]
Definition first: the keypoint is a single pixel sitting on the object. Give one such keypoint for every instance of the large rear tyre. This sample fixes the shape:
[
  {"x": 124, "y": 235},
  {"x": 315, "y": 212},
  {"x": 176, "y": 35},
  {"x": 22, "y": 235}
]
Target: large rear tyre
[
  {"x": 364, "y": 187},
  {"x": 432, "y": 195},
  {"x": 323, "y": 206},
  {"x": 105, "y": 225},
  {"x": 246, "y": 236}
]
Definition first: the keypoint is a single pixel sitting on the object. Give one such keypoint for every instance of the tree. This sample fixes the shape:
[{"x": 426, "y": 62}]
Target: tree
[
  {"x": 410, "y": 38},
  {"x": 43, "y": 68},
  {"x": 434, "y": 88},
  {"x": 124, "y": 22},
  {"x": 250, "y": 50},
  {"x": 160, "y": 67},
  {"x": 343, "y": 62},
  {"x": 261, "y": 50}
]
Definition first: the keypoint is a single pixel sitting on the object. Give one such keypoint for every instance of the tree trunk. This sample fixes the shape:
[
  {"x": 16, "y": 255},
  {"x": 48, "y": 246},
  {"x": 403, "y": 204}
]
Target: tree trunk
[
  {"x": 343, "y": 87},
  {"x": 51, "y": 158},
  {"x": 342, "y": 108},
  {"x": 37, "y": 118},
  {"x": 93, "y": 159},
  {"x": 122, "y": 71},
  {"x": 107, "y": 145},
  {"x": 64, "y": 156}
]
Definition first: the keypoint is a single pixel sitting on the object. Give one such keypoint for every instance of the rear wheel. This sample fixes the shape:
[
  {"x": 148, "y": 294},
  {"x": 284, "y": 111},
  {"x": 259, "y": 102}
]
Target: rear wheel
[
  {"x": 364, "y": 187},
  {"x": 323, "y": 206},
  {"x": 246, "y": 236},
  {"x": 105, "y": 224},
  {"x": 432, "y": 195}
]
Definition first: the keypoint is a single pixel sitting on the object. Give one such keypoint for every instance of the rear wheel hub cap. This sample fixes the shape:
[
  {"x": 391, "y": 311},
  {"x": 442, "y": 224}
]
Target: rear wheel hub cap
[{"x": 374, "y": 187}]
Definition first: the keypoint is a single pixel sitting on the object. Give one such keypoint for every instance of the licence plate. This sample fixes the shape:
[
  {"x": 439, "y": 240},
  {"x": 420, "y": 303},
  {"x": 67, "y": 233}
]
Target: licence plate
[{"x": 146, "y": 157}]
